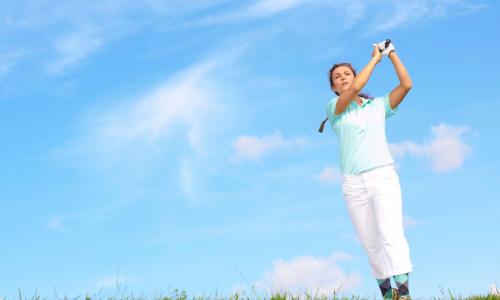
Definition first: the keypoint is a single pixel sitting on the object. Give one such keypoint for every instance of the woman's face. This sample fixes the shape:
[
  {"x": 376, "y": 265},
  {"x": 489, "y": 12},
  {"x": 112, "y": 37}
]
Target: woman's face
[{"x": 342, "y": 77}]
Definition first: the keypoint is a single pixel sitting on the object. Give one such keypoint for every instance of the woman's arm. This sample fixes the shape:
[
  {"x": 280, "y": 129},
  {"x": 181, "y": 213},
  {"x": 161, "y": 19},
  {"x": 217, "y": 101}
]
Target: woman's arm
[
  {"x": 405, "y": 84},
  {"x": 346, "y": 97}
]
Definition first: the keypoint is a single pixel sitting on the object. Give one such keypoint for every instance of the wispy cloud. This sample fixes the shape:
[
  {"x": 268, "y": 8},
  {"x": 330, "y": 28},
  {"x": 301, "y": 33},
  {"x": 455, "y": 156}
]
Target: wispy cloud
[
  {"x": 254, "y": 148},
  {"x": 446, "y": 150},
  {"x": 401, "y": 14},
  {"x": 330, "y": 175},
  {"x": 270, "y": 7},
  {"x": 54, "y": 223},
  {"x": 74, "y": 48},
  {"x": 388, "y": 16},
  {"x": 8, "y": 60},
  {"x": 258, "y": 9},
  {"x": 410, "y": 221},
  {"x": 173, "y": 124},
  {"x": 350, "y": 11},
  {"x": 117, "y": 282},
  {"x": 185, "y": 100},
  {"x": 321, "y": 275},
  {"x": 79, "y": 29}
]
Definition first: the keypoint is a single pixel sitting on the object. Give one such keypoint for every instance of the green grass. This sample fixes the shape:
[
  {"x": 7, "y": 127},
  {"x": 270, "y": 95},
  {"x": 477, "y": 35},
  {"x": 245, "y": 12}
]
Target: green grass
[{"x": 177, "y": 294}]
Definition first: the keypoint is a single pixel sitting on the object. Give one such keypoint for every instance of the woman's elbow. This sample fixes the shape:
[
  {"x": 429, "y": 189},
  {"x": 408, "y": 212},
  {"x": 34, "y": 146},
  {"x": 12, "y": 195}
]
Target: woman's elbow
[{"x": 407, "y": 85}]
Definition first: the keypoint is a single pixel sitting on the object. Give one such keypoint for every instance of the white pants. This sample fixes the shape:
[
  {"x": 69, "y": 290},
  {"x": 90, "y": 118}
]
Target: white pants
[{"x": 373, "y": 199}]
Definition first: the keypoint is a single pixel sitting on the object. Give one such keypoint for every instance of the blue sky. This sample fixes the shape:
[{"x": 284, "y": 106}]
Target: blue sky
[{"x": 174, "y": 144}]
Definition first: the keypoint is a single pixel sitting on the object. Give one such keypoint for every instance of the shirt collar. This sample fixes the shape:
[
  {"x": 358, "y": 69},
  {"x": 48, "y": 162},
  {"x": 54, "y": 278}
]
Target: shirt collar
[{"x": 364, "y": 102}]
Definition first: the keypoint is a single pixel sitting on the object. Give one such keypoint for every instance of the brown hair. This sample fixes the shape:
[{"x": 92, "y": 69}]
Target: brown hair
[{"x": 364, "y": 95}]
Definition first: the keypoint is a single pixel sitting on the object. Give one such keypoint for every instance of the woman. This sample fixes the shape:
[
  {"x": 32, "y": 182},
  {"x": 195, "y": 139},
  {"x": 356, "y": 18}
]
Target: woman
[{"x": 370, "y": 184}]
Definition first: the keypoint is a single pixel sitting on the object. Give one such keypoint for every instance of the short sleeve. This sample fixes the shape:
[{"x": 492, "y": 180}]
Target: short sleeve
[
  {"x": 387, "y": 104},
  {"x": 330, "y": 110}
]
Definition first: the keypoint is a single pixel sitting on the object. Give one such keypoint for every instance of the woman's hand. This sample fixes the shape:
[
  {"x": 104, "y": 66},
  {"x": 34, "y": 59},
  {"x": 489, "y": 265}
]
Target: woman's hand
[{"x": 376, "y": 54}]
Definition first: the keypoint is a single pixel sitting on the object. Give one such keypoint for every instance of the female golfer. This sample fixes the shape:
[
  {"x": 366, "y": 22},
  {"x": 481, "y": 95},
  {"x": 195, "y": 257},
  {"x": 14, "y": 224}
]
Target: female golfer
[{"x": 370, "y": 184}]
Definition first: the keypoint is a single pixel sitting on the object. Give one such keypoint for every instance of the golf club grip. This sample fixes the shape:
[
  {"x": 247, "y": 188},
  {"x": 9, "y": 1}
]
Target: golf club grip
[{"x": 387, "y": 42}]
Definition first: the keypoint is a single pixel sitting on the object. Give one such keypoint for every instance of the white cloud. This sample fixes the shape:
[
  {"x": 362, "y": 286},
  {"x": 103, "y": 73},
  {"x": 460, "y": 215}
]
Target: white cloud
[
  {"x": 8, "y": 60},
  {"x": 173, "y": 125},
  {"x": 330, "y": 174},
  {"x": 270, "y": 7},
  {"x": 446, "y": 150},
  {"x": 185, "y": 101},
  {"x": 253, "y": 147},
  {"x": 78, "y": 29},
  {"x": 383, "y": 16},
  {"x": 54, "y": 223},
  {"x": 321, "y": 275},
  {"x": 112, "y": 282},
  {"x": 401, "y": 14},
  {"x": 259, "y": 9},
  {"x": 410, "y": 221},
  {"x": 74, "y": 48}
]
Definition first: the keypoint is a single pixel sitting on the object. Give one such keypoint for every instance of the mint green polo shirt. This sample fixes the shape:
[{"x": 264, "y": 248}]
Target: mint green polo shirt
[{"x": 361, "y": 131}]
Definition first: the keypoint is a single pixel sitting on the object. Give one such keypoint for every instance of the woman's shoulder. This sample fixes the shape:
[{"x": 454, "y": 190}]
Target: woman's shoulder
[
  {"x": 331, "y": 104},
  {"x": 332, "y": 101},
  {"x": 330, "y": 109}
]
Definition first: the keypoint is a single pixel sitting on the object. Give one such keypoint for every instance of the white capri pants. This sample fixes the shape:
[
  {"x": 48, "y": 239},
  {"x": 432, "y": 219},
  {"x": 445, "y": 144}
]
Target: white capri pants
[{"x": 373, "y": 199}]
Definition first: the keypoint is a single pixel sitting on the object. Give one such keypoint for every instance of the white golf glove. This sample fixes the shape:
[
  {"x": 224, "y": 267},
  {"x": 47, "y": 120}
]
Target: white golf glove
[{"x": 385, "y": 50}]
